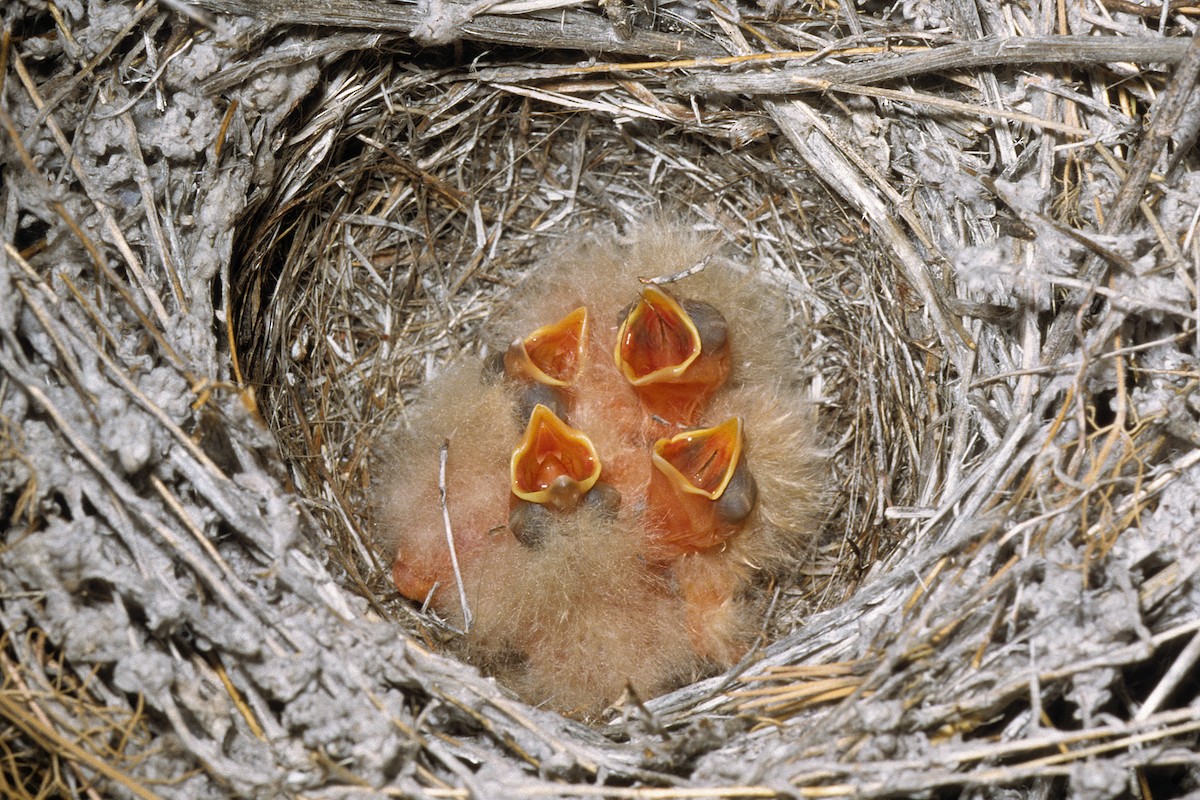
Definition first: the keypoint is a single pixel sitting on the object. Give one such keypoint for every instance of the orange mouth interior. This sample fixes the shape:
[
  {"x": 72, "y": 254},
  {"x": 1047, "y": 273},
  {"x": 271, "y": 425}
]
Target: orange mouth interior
[
  {"x": 657, "y": 340},
  {"x": 552, "y": 354},
  {"x": 552, "y": 456},
  {"x": 701, "y": 462}
]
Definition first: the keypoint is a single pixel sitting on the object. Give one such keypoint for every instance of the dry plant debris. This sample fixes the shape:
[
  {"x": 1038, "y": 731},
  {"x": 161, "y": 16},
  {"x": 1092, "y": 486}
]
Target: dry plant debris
[{"x": 238, "y": 237}]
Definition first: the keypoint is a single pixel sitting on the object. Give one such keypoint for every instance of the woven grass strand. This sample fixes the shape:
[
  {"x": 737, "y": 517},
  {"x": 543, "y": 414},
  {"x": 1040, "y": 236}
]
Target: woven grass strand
[{"x": 990, "y": 270}]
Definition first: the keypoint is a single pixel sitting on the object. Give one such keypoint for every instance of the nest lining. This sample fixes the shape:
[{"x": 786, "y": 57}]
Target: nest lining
[
  {"x": 1032, "y": 632},
  {"x": 430, "y": 295}
]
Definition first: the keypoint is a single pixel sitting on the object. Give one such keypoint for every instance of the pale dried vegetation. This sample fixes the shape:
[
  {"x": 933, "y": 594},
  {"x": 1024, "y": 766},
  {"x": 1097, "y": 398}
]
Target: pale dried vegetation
[{"x": 239, "y": 236}]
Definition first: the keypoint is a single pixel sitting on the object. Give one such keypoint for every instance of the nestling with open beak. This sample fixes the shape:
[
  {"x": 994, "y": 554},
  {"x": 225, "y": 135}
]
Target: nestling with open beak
[{"x": 620, "y": 485}]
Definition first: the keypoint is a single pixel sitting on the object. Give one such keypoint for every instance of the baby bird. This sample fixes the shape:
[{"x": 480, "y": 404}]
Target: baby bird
[
  {"x": 473, "y": 417},
  {"x": 621, "y": 487}
]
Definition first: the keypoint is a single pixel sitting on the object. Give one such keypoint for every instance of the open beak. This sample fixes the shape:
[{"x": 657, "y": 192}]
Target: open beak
[
  {"x": 554, "y": 465},
  {"x": 657, "y": 340},
  {"x": 661, "y": 350},
  {"x": 552, "y": 354},
  {"x": 701, "y": 488}
]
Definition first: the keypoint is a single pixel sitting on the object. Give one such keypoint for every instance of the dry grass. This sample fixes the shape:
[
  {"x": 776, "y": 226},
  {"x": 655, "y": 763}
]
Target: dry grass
[{"x": 993, "y": 272}]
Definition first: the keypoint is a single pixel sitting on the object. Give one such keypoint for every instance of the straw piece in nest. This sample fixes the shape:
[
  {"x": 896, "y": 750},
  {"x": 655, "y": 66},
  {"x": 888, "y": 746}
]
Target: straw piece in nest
[{"x": 606, "y": 596}]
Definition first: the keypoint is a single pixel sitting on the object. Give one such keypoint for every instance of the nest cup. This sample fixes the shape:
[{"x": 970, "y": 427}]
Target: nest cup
[
  {"x": 429, "y": 201},
  {"x": 222, "y": 207}
]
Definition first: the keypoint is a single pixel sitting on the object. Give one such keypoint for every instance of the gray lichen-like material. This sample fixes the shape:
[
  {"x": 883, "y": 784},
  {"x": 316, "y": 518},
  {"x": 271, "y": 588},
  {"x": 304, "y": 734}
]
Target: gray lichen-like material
[{"x": 238, "y": 236}]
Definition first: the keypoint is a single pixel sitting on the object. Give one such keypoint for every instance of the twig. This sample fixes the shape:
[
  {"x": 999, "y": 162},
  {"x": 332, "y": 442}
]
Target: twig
[
  {"x": 574, "y": 30},
  {"x": 812, "y": 137},
  {"x": 1130, "y": 7},
  {"x": 678, "y": 276},
  {"x": 1007, "y": 51},
  {"x": 1180, "y": 669},
  {"x": 443, "y": 456}
]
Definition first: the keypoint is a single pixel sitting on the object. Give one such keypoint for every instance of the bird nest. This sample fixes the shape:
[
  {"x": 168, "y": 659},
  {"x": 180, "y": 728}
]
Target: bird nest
[{"x": 240, "y": 237}]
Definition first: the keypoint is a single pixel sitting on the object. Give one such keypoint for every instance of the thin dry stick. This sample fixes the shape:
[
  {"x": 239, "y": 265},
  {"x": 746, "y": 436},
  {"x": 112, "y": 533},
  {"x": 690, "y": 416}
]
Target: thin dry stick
[
  {"x": 93, "y": 252},
  {"x": 123, "y": 493},
  {"x": 517, "y": 74},
  {"x": 69, "y": 86},
  {"x": 812, "y": 138},
  {"x": 443, "y": 455},
  {"x": 1007, "y": 51},
  {"x": 919, "y": 98},
  {"x": 138, "y": 396},
  {"x": 573, "y": 30},
  {"x": 1180, "y": 669},
  {"x": 678, "y": 276},
  {"x": 23, "y": 690},
  {"x": 110, "y": 223}
]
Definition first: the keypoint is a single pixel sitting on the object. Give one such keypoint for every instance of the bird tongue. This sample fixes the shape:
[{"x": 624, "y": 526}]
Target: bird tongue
[{"x": 554, "y": 464}]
